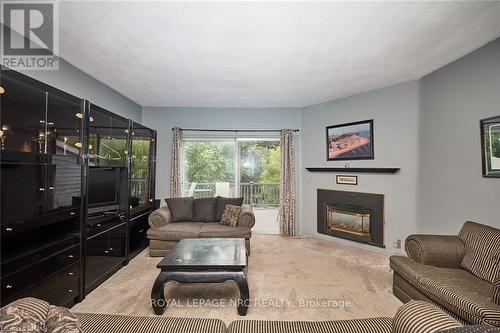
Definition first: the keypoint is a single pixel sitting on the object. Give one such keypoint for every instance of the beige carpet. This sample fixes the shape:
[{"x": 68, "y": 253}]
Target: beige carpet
[{"x": 283, "y": 275}]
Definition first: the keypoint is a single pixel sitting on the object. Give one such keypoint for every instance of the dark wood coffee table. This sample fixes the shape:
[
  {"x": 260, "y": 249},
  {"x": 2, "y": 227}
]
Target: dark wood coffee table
[{"x": 203, "y": 260}]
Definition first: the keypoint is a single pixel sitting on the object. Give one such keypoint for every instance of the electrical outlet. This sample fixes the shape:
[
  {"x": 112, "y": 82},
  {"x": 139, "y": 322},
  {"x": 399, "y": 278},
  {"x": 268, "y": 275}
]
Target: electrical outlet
[{"x": 397, "y": 244}]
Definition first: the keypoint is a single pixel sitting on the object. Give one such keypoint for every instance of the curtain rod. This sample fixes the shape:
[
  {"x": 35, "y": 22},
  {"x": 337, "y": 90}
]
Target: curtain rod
[{"x": 227, "y": 130}]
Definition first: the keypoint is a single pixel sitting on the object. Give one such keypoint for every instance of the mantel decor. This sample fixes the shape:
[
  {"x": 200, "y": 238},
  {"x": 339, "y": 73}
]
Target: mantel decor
[
  {"x": 353, "y": 170},
  {"x": 346, "y": 180},
  {"x": 350, "y": 141},
  {"x": 490, "y": 146}
]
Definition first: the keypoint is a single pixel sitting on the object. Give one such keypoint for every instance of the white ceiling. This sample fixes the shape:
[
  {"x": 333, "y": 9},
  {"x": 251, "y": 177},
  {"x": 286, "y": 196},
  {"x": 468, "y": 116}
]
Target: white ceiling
[{"x": 266, "y": 54}]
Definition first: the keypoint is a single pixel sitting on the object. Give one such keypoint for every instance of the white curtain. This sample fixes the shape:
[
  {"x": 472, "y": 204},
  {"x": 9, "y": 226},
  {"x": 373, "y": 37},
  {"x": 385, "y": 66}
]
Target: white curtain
[
  {"x": 175, "y": 172},
  {"x": 287, "y": 211}
]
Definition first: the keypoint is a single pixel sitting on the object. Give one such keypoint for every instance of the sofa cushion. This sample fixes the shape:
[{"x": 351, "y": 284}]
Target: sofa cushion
[
  {"x": 176, "y": 231},
  {"x": 422, "y": 317},
  {"x": 368, "y": 325},
  {"x": 230, "y": 215},
  {"x": 205, "y": 209},
  {"x": 215, "y": 229},
  {"x": 456, "y": 290},
  {"x": 106, "y": 323},
  {"x": 223, "y": 201},
  {"x": 481, "y": 258},
  {"x": 472, "y": 329},
  {"x": 181, "y": 209}
]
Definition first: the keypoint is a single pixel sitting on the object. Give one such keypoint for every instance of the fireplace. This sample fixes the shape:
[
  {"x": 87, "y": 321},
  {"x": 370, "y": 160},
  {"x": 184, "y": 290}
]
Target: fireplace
[{"x": 352, "y": 215}]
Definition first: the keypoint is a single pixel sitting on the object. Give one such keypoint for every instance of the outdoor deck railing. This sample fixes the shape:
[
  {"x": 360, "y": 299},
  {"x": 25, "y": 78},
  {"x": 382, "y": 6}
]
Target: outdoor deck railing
[{"x": 256, "y": 194}]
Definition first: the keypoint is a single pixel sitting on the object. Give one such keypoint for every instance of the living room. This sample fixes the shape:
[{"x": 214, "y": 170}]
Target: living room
[{"x": 261, "y": 167}]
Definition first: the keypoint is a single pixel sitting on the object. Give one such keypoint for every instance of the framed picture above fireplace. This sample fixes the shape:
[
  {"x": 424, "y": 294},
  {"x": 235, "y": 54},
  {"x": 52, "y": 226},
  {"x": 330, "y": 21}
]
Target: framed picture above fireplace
[
  {"x": 350, "y": 141},
  {"x": 490, "y": 146}
]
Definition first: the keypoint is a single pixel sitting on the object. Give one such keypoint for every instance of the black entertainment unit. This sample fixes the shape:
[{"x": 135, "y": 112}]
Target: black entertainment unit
[{"x": 74, "y": 202}]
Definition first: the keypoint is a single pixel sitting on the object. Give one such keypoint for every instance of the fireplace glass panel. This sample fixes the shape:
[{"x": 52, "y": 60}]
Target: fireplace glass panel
[{"x": 351, "y": 220}]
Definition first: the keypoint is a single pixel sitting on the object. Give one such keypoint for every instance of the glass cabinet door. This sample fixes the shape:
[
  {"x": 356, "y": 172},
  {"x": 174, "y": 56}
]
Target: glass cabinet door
[
  {"x": 64, "y": 118},
  {"x": 22, "y": 116},
  {"x": 107, "y": 139},
  {"x": 142, "y": 150}
]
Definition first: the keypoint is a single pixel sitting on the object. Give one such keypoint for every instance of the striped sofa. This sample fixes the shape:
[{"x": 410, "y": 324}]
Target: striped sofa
[
  {"x": 33, "y": 315},
  {"x": 460, "y": 274}
]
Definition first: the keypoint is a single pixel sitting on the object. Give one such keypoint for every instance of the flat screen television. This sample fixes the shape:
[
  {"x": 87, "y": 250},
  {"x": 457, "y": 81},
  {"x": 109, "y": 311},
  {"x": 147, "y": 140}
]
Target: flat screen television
[{"x": 102, "y": 186}]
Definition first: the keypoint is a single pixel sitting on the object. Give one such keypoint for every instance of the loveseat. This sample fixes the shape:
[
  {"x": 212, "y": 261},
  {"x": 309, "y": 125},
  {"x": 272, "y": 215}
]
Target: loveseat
[
  {"x": 460, "y": 274},
  {"x": 33, "y": 315},
  {"x": 196, "y": 218}
]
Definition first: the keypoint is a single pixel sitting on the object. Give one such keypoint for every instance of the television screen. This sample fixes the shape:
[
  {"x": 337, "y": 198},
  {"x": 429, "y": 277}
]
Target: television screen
[{"x": 102, "y": 186}]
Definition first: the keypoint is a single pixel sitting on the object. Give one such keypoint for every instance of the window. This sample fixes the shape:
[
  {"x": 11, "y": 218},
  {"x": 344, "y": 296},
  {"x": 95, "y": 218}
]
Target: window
[{"x": 244, "y": 167}]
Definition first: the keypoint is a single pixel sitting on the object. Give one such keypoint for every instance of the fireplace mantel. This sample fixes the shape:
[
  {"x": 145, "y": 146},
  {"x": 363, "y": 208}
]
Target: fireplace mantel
[{"x": 353, "y": 170}]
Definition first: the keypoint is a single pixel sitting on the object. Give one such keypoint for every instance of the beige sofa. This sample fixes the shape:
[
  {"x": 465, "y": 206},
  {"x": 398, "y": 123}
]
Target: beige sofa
[
  {"x": 460, "y": 274},
  {"x": 165, "y": 232},
  {"x": 28, "y": 314}
]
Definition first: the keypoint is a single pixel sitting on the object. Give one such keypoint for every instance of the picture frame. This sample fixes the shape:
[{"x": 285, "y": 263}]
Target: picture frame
[
  {"x": 346, "y": 180},
  {"x": 490, "y": 146},
  {"x": 350, "y": 141}
]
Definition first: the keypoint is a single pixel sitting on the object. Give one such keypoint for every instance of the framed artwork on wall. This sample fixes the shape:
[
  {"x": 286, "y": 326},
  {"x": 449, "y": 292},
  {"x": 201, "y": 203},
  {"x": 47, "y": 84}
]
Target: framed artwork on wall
[
  {"x": 350, "y": 141},
  {"x": 490, "y": 146}
]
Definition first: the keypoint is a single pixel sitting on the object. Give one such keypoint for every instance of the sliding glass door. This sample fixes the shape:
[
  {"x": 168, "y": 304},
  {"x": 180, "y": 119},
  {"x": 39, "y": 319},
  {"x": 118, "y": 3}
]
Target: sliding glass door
[
  {"x": 236, "y": 167},
  {"x": 209, "y": 168}
]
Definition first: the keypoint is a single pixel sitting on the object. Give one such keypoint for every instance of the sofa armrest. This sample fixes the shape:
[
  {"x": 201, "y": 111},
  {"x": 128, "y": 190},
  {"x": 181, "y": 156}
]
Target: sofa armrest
[
  {"x": 440, "y": 251},
  {"x": 422, "y": 317},
  {"x": 246, "y": 218},
  {"x": 159, "y": 217}
]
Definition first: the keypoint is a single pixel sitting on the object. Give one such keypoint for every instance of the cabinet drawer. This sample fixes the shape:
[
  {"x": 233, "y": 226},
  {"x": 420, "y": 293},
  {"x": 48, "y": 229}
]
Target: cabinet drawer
[
  {"x": 59, "y": 288},
  {"x": 65, "y": 294},
  {"x": 15, "y": 283},
  {"x": 59, "y": 294},
  {"x": 12, "y": 262}
]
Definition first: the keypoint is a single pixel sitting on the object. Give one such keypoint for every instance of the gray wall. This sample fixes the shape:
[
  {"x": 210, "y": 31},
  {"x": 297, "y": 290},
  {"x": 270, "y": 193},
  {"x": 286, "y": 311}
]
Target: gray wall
[
  {"x": 163, "y": 119},
  {"x": 78, "y": 83},
  {"x": 395, "y": 111},
  {"x": 451, "y": 186},
  {"x": 72, "y": 80}
]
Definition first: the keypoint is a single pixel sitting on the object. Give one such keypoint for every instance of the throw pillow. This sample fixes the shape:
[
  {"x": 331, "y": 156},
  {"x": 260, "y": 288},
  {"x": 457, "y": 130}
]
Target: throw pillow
[
  {"x": 481, "y": 258},
  {"x": 230, "y": 215},
  {"x": 61, "y": 320},
  {"x": 496, "y": 291},
  {"x": 205, "y": 210},
  {"x": 422, "y": 317},
  {"x": 181, "y": 209},
  {"x": 222, "y": 202},
  {"x": 24, "y": 315}
]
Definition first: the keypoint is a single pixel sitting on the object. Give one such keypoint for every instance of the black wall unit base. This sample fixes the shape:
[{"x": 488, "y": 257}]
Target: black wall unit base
[{"x": 62, "y": 232}]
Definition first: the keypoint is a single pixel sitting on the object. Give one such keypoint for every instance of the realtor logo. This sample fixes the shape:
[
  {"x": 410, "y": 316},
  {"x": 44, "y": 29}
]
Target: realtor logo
[{"x": 29, "y": 35}]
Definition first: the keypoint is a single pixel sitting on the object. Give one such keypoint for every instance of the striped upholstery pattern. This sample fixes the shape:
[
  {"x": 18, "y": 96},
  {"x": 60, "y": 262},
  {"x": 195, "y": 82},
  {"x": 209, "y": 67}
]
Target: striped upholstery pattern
[
  {"x": 473, "y": 329},
  {"x": 421, "y": 317},
  {"x": 24, "y": 315},
  {"x": 370, "y": 325},
  {"x": 62, "y": 320},
  {"x": 481, "y": 258},
  {"x": 496, "y": 291},
  {"x": 36, "y": 308},
  {"x": 106, "y": 323},
  {"x": 456, "y": 290}
]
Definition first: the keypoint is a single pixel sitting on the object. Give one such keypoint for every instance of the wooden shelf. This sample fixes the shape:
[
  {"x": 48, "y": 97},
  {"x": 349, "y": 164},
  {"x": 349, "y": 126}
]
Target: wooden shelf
[{"x": 355, "y": 170}]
